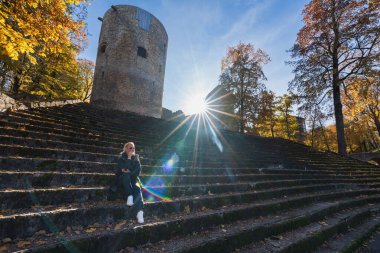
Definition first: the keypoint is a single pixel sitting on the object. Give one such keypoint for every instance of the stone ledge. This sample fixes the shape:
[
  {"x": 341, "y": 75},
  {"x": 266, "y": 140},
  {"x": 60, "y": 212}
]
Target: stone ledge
[{"x": 8, "y": 103}]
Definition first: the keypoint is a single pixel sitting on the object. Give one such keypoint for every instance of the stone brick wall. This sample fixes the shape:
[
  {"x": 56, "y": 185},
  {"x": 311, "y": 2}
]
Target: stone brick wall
[
  {"x": 8, "y": 103},
  {"x": 36, "y": 104},
  {"x": 124, "y": 80}
]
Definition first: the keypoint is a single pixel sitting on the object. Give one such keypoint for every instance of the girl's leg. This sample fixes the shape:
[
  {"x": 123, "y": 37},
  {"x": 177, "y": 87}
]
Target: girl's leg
[
  {"x": 126, "y": 183},
  {"x": 138, "y": 201}
]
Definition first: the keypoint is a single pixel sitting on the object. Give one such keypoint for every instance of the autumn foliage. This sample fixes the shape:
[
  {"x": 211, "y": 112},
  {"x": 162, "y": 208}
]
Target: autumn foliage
[
  {"x": 340, "y": 40},
  {"x": 39, "y": 45}
]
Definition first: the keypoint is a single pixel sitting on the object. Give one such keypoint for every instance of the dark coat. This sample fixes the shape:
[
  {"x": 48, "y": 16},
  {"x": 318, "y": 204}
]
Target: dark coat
[
  {"x": 133, "y": 165},
  {"x": 123, "y": 162}
]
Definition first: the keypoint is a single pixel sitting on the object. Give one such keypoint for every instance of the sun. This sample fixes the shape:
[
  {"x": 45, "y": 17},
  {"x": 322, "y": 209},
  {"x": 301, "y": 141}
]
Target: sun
[{"x": 195, "y": 105}]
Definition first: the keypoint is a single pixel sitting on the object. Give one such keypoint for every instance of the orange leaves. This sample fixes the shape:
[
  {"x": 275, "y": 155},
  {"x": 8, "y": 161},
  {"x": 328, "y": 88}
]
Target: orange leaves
[
  {"x": 120, "y": 225},
  {"x": 34, "y": 28},
  {"x": 23, "y": 244}
]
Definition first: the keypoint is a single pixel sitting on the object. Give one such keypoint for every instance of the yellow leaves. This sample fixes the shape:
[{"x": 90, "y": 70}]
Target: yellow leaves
[
  {"x": 22, "y": 244},
  {"x": 33, "y": 4},
  {"x": 41, "y": 242},
  {"x": 90, "y": 230},
  {"x": 37, "y": 24},
  {"x": 32, "y": 60}
]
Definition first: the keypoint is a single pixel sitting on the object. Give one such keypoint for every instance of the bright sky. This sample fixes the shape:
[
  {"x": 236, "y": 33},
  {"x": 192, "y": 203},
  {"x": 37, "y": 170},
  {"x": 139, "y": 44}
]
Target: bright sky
[{"x": 201, "y": 30}]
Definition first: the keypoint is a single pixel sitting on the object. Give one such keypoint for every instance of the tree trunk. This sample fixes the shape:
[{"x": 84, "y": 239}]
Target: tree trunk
[
  {"x": 336, "y": 86},
  {"x": 339, "y": 120},
  {"x": 241, "y": 117},
  {"x": 377, "y": 124},
  {"x": 241, "y": 108},
  {"x": 16, "y": 84},
  {"x": 272, "y": 128},
  {"x": 312, "y": 131},
  {"x": 324, "y": 136}
]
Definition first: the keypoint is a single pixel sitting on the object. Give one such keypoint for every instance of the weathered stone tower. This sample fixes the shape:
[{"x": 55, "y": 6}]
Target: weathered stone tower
[{"x": 130, "y": 64}]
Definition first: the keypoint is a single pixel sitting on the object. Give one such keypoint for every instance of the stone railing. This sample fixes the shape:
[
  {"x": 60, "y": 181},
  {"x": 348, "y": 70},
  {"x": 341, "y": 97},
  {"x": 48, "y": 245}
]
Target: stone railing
[{"x": 8, "y": 103}]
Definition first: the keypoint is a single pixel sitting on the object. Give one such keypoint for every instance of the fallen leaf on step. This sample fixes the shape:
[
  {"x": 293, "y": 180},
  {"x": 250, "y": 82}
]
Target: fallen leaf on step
[
  {"x": 120, "y": 224},
  {"x": 3, "y": 248},
  {"x": 40, "y": 242},
  {"x": 90, "y": 230},
  {"x": 187, "y": 209},
  {"x": 22, "y": 244}
]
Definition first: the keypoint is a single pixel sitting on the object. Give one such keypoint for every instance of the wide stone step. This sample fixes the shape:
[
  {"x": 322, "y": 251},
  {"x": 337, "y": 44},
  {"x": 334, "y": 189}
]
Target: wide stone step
[
  {"x": 24, "y": 198},
  {"x": 69, "y": 145},
  {"x": 84, "y": 129},
  {"x": 100, "y": 126},
  {"x": 310, "y": 236},
  {"x": 321, "y": 158},
  {"x": 27, "y": 222},
  {"x": 154, "y": 135},
  {"x": 189, "y": 233},
  {"x": 134, "y": 131},
  {"x": 31, "y": 136},
  {"x": 263, "y": 141},
  {"x": 354, "y": 237},
  {"x": 21, "y": 151},
  {"x": 51, "y": 144},
  {"x": 55, "y": 156},
  {"x": 37, "y": 164},
  {"x": 29, "y": 179},
  {"x": 70, "y": 154},
  {"x": 90, "y": 137},
  {"x": 109, "y": 122},
  {"x": 64, "y": 131},
  {"x": 93, "y": 140},
  {"x": 321, "y": 163}
]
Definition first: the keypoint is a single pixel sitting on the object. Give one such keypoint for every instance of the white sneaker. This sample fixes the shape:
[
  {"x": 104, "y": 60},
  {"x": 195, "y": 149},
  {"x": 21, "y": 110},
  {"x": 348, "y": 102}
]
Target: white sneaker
[
  {"x": 130, "y": 200},
  {"x": 140, "y": 217}
]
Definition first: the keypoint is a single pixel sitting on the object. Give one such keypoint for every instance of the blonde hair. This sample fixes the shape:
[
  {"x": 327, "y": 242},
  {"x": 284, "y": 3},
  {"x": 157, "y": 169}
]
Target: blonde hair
[{"x": 128, "y": 144}]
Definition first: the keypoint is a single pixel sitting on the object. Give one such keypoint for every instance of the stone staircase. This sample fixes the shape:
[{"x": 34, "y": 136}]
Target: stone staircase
[{"x": 246, "y": 194}]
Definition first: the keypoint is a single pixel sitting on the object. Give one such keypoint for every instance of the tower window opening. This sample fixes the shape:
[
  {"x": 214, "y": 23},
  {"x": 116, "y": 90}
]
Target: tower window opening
[
  {"x": 102, "y": 47},
  {"x": 141, "y": 52}
]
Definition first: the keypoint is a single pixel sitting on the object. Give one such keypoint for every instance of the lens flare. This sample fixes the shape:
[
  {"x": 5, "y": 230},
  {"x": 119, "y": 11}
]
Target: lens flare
[
  {"x": 168, "y": 165},
  {"x": 153, "y": 194},
  {"x": 196, "y": 104}
]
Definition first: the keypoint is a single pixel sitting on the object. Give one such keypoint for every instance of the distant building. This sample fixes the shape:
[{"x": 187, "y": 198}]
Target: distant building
[{"x": 172, "y": 116}]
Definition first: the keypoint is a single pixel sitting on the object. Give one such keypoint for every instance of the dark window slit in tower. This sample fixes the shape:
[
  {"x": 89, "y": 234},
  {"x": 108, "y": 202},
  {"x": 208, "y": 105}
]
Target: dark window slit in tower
[
  {"x": 102, "y": 47},
  {"x": 141, "y": 52}
]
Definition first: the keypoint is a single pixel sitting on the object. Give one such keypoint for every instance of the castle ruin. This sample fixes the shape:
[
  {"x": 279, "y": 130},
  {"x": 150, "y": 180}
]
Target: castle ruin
[{"x": 130, "y": 63}]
